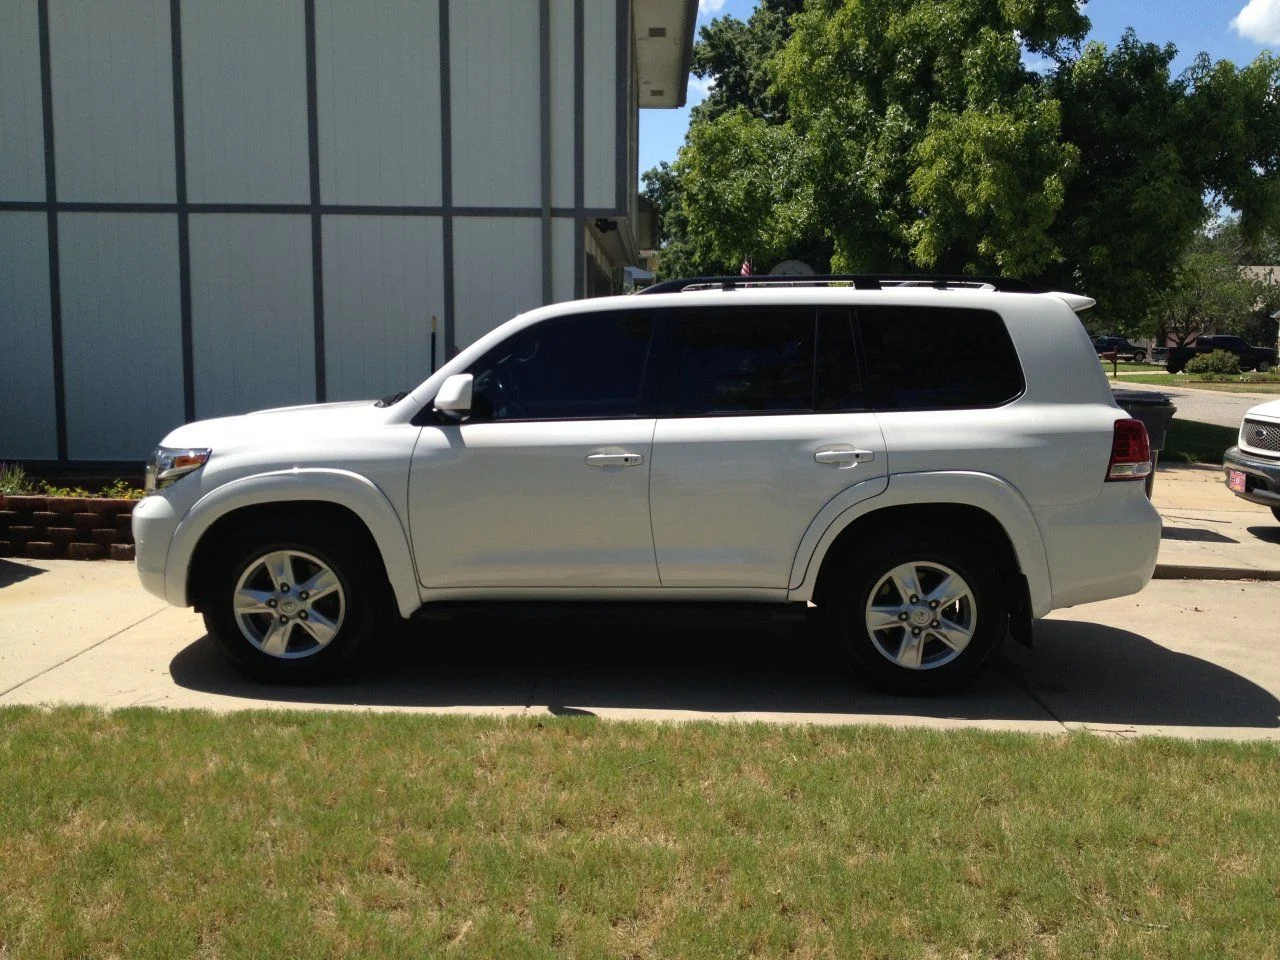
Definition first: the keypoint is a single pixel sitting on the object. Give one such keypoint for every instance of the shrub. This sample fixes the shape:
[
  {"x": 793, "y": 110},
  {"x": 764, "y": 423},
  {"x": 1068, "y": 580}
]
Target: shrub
[
  {"x": 14, "y": 481},
  {"x": 1220, "y": 361}
]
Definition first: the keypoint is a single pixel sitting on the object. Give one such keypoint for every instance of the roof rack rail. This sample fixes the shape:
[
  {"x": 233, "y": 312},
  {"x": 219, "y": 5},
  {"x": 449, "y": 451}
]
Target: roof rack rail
[{"x": 860, "y": 281}]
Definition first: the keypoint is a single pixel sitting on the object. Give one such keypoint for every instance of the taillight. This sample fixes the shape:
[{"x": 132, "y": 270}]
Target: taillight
[{"x": 1130, "y": 451}]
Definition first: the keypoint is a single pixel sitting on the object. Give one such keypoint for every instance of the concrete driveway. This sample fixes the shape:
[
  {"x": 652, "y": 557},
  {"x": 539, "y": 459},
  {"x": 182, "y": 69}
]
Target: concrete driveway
[{"x": 86, "y": 633}]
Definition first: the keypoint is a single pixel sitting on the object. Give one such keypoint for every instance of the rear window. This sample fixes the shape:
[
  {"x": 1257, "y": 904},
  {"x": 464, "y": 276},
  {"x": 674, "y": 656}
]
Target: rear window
[{"x": 937, "y": 358}]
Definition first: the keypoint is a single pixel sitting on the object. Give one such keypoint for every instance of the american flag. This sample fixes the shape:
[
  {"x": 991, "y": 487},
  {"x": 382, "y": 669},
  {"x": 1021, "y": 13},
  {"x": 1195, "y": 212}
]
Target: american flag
[{"x": 746, "y": 268}]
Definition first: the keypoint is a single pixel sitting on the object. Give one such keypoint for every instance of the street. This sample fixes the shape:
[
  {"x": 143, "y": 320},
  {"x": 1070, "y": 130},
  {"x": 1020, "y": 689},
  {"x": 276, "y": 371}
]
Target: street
[{"x": 1206, "y": 406}]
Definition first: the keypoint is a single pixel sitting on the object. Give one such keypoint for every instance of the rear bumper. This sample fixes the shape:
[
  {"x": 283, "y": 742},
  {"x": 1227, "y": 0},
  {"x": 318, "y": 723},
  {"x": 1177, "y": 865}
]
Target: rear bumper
[
  {"x": 1262, "y": 477},
  {"x": 1102, "y": 549}
]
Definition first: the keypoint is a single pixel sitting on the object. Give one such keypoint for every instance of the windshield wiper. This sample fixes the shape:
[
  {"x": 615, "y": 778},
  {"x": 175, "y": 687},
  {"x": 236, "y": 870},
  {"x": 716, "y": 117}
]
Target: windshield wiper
[{"x": 392, "y": 398}]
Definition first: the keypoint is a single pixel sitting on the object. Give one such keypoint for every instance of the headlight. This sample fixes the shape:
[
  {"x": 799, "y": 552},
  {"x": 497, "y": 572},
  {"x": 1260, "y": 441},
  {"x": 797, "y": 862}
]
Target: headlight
[{"x": 167, "y": 464}]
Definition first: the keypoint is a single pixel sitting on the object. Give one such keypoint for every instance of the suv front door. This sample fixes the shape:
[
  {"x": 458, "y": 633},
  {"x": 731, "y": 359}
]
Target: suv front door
[
  {"x": 761, "y": 424},
  {"x": 547, "y": 483}
]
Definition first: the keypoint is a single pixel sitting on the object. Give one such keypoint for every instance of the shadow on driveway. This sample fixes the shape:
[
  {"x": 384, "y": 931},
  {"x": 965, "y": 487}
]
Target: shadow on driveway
[
  {"x": 11, "y": 573},
  {"x": 1079, "y": 671}
]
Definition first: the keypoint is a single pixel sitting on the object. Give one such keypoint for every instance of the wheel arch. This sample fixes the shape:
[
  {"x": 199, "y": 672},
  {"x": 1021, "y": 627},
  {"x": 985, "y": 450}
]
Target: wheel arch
[
  {"x": 976, "y": 503},
  {"x": 338, "y": 495}
]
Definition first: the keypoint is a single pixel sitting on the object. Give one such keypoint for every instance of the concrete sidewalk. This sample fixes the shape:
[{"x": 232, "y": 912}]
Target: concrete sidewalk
[{"x": 1209, "y": 533}]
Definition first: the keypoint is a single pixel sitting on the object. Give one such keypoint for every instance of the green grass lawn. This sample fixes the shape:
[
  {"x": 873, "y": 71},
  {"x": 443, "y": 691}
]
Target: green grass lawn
[
  {"x": 153, "y": 834},
  {"x": 1189, "y": 441},
  {"x": 1185, "y": 380}
]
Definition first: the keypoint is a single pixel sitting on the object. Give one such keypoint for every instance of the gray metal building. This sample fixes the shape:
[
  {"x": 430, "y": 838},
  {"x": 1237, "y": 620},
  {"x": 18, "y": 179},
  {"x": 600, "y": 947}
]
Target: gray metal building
[{"x": 213, "y": 206}]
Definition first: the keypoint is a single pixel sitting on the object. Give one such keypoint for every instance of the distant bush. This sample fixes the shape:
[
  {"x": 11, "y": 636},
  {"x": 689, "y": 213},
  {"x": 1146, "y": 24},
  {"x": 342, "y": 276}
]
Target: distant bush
[{"x": 1220, "y": 361}]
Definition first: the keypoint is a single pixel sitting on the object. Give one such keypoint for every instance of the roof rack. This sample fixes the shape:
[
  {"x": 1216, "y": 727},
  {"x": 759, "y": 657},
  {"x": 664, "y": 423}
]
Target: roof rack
[{"x": 859, "y": 281}]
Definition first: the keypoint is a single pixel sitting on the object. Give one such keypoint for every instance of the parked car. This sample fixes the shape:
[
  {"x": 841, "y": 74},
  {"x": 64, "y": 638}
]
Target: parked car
[
  {"x": 1121, "y": 347},
  {"x": 1262, "y": 359},
  {"x": 931, "y": 466},
  {"x": 1252, "y": 467}
]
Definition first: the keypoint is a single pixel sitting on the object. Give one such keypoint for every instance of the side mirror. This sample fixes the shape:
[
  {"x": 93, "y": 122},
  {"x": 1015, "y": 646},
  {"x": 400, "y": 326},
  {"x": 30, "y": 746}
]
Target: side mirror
[{"x": 454, "y": 398}]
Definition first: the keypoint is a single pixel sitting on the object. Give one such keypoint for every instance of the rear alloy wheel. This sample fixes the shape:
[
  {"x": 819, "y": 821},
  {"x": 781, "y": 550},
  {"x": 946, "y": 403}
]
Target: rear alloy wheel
[
  {"x": 921, "y": 617},
  {"x": 288, "y": 606}
]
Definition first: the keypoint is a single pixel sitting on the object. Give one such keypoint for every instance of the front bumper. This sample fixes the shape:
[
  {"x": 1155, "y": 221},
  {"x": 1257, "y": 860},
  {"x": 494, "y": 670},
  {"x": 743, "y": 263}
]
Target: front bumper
[
  {"x": 154, "y": 521},
  {"x": 1261, "y": 476}
]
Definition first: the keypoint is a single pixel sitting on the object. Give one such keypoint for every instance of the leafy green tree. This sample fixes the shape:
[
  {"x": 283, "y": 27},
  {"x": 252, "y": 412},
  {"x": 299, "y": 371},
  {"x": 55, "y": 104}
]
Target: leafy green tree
[
  {"x": 1207, "y": 293},
  {"x": 909, "y": 134}
]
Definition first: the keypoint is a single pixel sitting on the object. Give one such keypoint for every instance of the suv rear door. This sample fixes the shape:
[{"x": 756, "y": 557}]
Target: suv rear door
[{"x": 761, "y": 423}]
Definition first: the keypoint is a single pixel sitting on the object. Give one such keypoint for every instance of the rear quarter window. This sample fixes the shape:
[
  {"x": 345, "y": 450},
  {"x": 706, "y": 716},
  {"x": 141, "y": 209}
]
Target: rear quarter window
[{"x": 937, "y": 358}]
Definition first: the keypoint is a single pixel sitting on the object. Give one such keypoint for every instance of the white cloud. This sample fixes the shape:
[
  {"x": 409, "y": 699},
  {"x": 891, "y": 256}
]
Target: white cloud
[
  {"x": 1259, "y": 20},
  {"x": 699, "y": 88},
  {"x": 708, "y": 7}
]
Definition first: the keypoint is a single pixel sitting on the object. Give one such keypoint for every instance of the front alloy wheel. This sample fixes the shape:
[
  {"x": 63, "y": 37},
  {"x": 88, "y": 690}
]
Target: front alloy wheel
[
  {"x": 288, "y": 600},
  {"x": 289, "y": 604}
]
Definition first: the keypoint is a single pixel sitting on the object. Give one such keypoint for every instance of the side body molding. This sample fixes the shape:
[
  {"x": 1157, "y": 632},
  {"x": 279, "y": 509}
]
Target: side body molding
[
  {"x": 351, "y": 490},
  {"x": 981, "y": 490}
]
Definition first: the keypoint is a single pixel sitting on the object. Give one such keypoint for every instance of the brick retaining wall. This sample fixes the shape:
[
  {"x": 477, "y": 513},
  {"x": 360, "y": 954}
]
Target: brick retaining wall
[{"x": 75, "y": 528}]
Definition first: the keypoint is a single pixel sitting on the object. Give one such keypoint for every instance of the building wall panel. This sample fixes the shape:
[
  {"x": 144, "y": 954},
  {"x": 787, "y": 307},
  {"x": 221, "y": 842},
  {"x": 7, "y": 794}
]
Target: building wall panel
[
  {"x": 253, "y": 328},
  {"x": 21, "y": 114},
  {"x": 494, "y": 86},
  {"x": 378, "y": 82},
  {"x": 562, "y": 254},
  {"x": 562, "y": 112},
  {"x": 499, "y": 272},
  {"x": 28, "y": 426},
  {"x": 122, "y": 337},
  {"x": 112, "y": 100},
  {"x": 383, "y": 281},
  {"x": 600, "y": 68},
  {"x": 245, "y": 95}
]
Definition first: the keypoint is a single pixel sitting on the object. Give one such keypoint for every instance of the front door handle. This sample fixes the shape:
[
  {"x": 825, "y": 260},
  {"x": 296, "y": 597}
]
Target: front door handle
[
  {"x": 614, "y": 459},
  {"x": 843, "y": 455}
]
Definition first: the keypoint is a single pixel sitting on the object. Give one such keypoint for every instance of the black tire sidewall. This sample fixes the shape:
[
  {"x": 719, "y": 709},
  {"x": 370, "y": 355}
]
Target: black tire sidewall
[
  {"x": 347, "y": 556},
  {"x": 1275, "y": 512},
  {"x": 846, "y": 593}
]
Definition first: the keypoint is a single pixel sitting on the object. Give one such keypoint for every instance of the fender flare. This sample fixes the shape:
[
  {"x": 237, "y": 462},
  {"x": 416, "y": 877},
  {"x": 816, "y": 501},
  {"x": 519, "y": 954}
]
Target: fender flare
[
  {"x": 961, "y": 487},
  {"x": 357, "y": 493}
]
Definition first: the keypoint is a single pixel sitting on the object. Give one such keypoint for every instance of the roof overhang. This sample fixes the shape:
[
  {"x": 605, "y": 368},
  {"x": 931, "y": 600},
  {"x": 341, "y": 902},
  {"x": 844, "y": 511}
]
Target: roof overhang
[{"x": 664, "y": 32}]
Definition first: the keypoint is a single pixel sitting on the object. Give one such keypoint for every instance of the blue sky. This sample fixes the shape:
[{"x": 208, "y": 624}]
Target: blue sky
[{"x": 1191, "y": 25}]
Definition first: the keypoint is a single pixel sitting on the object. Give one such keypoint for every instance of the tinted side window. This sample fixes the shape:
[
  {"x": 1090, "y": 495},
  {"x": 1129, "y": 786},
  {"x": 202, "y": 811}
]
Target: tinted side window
[
  {"x": 589, "y": 366},
  {"x": 836, "y": 383},
  {"x": 736, "y": 360},
  {"x": 937, "y": 358}
]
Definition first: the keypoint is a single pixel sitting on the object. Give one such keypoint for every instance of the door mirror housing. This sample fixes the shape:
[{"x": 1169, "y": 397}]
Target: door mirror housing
[{"x": 454, "y": 398}]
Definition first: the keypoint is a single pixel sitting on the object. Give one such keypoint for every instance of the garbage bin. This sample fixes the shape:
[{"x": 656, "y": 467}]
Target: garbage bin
[{"x": 1155, "y": 410}]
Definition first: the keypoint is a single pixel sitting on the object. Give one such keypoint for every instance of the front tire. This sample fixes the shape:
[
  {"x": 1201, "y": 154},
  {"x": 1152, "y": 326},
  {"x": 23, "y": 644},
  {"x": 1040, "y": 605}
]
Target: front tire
[
  {"x": 920, "y": 616},
  {"x": 290, "y": 602}
]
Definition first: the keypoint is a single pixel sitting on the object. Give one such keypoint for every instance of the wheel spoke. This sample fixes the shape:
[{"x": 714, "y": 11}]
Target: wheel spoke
[
  {"x": 276, "y": 640},
  {"x": 911, "y": 650},
  {"x": 248, "y": 600},
  {"x": 905, "y": 581},
  {"x": 320, "y": 627},
  {"x": 323, "y": 583},
  {"x": 953, "y": 635},
  {"x": 948, "y": 591},
  {"x": 279, "y": 567},
  {"x": 882, "y": 618}
]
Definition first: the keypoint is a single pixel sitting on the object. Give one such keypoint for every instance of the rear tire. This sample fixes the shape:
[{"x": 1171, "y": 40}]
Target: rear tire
[
  {"x": 929, "y": 645},
  {"x": 1275, "y": 512},
  {"x": 280, "y": 631},
  {"x": 1138, "y": 357},
  {"x": 1264, "y": 366}
]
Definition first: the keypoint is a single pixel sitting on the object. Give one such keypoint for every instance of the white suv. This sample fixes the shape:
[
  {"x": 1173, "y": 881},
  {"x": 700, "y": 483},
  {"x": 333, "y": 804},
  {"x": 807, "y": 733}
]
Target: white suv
[{"x": 931, "y": 465}]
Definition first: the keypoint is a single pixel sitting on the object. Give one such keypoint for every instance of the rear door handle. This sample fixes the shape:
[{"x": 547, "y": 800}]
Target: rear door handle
[
  {"x": 843, "y": 455},
  {"x": 614, "y": 459}
]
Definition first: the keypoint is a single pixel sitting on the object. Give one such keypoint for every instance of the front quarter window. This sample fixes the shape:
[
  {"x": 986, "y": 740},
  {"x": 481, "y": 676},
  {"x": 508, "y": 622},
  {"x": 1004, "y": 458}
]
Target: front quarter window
[{"x": 582, "y": 367}]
